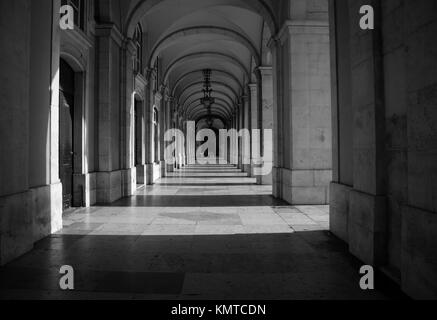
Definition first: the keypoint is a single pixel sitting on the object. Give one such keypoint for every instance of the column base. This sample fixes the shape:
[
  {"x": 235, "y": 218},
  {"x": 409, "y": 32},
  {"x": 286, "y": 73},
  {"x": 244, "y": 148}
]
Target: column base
[
  {"x": 367, "y": 227},
  {"x": 141, "y": 174},
  {"x": 248, "y": 169},
  {"x": 170, "y": 168},
  {"x": 302, "y": 187},
  {"x": 360, "y": 220},
  {"x": 419, "y": 279},
  {"x": 28, "y": 217},
  {"x": 153, "y": 173},
  {"x": 277, "y": 183},
  {"x": 84, "y": 190},
  {"x": 129, "y": 182},
  {"x": 163, "y": 168},
  {"x": 339, "y": 210},
  {"x": 266, "y": 179},
  {"x": 109, "y": 186}
]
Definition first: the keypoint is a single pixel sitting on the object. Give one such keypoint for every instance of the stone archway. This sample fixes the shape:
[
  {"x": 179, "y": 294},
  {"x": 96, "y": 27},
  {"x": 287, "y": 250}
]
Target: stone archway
[{"x": 66, "y": 132}]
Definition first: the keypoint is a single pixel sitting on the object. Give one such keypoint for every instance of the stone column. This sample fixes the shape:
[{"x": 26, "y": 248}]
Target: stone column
[
  {"x": 150, "y": 152},
  {"x": 129, "y": 174},
  {"x": 367, "y": 237},
  {"x": 185, "y": 127},
  {"x": 240, "y": 126},
  {"x": 141, "y": 88},
  {"x": 303, "y": 151},
  {"x": 254, "y": 124},
  {"x": 233, "y": 155},
  {"x": 246, "y": 147},
  {"x": 190, "y": 142},
  {"x": 159, "y": 139},
  {"x": 266, "y": 121},
  {"x": 162, "y": 128},
  {"x": 109, "y": 175},
  {"x": 170, "y": 116},
  {"x": 181, "y": 143},
  {"x": 275, "y": 47},
  {"x": 30, "y": 190}
]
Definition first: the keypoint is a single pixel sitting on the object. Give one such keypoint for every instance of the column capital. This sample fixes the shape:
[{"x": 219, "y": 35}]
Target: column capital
[
  {"x": 244, "y": 98},
  {"x": 140, "y": 80},
  {"x": 165, "y": 92},
  {"x": 110, "y": 30},
  {"x": 298, "y": 26},
  {"x": 158, "y": 96},
  {"x": 150, "y": 74},
  {"x": 265, "y": 70},
  {"x": 129, "y": 45},
  {"x": 253, "y": 87},
  {"x": 273, "y": 42}
]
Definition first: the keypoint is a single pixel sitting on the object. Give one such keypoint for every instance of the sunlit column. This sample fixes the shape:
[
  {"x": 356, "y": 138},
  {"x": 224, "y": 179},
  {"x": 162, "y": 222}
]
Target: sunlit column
[
  {"x": 246, "y": 158},
  {"x": 266, "y": 114}
]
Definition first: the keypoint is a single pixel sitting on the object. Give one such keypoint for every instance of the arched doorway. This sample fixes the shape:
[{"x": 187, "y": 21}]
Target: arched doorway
[
  {"x": 156, "y": 134},
  {"x": 138, "y": 144},
  {"x": 66, "y": 132}
]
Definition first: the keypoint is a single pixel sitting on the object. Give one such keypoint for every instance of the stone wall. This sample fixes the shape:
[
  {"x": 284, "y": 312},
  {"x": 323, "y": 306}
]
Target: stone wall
[
  {"x": 386, "y": 209},
  {"x": 104, "y": 171},
  {"x": 30, "y": 193},
  {"x": 302, "y": 125}
]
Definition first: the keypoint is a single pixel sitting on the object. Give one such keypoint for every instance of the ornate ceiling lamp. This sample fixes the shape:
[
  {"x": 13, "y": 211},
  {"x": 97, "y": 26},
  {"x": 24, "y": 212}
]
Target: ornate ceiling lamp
[{"x": 207, "y": 99}]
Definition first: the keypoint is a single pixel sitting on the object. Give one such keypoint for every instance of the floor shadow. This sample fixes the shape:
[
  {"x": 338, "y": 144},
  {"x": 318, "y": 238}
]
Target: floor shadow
[
  {"x": 199, "y": 201},
  {"x": 212, "y": 176},
  {"x": 304, "y": 265},
  {"x": 205, "y": 183}
]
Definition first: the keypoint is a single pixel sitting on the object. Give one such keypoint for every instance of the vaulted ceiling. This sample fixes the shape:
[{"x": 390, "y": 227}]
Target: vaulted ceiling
[{"x": 189, "y": 36}]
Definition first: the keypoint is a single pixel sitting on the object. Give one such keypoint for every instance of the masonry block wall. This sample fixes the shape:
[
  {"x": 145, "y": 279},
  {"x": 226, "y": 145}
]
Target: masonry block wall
[
  {"x": 302, "y": 126},
  {"x": 30, "y": 191},
  {"x": 383, "y": 198}
]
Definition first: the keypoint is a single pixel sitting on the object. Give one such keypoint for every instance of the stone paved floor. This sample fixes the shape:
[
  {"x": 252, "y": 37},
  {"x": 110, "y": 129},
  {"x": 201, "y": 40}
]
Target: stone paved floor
[{"x": 206, "y": 232}]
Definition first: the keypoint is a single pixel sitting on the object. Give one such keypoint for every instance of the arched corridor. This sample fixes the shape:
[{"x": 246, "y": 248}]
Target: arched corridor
[
  {"x": 203, "y": 232},
  {"x": 218, "y": 149}
]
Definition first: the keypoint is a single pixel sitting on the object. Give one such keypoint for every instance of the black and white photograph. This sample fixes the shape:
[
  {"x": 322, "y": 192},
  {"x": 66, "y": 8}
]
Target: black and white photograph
[{"x": 207, "y": 152}]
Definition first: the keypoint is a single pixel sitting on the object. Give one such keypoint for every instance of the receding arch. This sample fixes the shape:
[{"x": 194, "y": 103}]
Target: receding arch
[
  {"x": 195, "y": 106},
  {"x": 217, "y": 83},
  {"x": 214, "y": 71},
  {"x": 73, "y": 57},
  {"x": 260, "y": 7},
  {"x": 219, "y": 102},
  {"x": 205, "y": 113},
  {"x": 193, "y": 112},
  {"x": 179, "y": 34},
  {"x": 224, "y": 122},
  {"x": 193, "y": 56},
  {"x": 218, "y": 98},
  {"x": 138, "y": 95}
]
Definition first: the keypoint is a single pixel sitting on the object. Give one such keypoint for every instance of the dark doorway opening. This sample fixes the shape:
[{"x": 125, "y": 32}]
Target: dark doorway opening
[
  {"x": 66, "y": 130},
  {"x": 138, "y": 133}
]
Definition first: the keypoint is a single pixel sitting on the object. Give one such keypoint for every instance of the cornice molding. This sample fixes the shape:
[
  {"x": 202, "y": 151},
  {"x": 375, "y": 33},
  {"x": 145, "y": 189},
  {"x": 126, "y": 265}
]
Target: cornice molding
[
  {"x": 299, "y": 26},
  {"x": 110, "y": 30}
]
